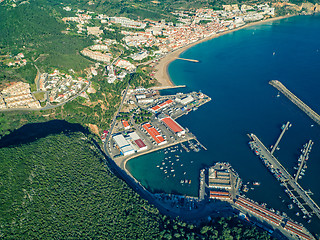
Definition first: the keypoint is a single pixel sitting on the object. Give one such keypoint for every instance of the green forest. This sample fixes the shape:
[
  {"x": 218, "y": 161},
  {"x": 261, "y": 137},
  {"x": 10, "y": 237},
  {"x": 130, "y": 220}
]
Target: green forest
[{"x": 59, "y": 187}]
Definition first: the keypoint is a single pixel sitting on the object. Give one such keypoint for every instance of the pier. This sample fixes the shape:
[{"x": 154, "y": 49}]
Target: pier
[
  {"x": 168, "y": 87},
  {"x": 304, "y": 158},
  {"x": 284, "y": 177},
  {"x": 285, "y": 128},
  {"x": 293, "y": 98},
  {"x": 200, "y": 144},
  {"x": 202, "y": 188},
  {"x": 189, "y": 60}
]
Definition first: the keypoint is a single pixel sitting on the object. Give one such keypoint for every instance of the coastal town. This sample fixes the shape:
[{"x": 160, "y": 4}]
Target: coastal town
[
  {"x": 141, "y": 42},
  {"x": 146, "y": 120}
]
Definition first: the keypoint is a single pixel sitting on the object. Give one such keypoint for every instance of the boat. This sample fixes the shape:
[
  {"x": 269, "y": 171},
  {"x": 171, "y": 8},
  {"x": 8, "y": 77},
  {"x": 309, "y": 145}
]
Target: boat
[
  {"x": 189, "y": 181},
  {"x": 186, "y": 181},
  {"x": 172, "y": 170},
  {"x": 290, "y": 206},
  {"x": 181, "y": 181},
  {"x": 256, "y": 183},
  {"x": 161, "y": 168},
  {"x": 245, "y": 188}
]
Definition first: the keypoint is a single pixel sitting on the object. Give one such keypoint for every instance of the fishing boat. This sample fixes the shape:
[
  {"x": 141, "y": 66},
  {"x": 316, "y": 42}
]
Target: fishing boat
[{"x": 256, "y": 183}]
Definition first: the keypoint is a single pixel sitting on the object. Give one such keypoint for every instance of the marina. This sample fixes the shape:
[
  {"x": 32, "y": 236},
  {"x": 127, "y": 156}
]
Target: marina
[
  {"x": 215, "y": 125},
  {"x": 292, "y": 187},
  {"x": 302, "y": 160}
]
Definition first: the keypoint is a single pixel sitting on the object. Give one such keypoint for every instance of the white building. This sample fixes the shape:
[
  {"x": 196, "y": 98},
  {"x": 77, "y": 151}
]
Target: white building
[{"x": 125, "y": 147}]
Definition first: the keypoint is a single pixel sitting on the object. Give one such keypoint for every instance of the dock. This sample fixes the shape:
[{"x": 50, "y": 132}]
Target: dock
[
  {"x": 285, "y": 178},
  {"x": 304, "y": 157},
  {"x": 168, "y": 87},
  {"x": 189, "y": 60},
  {"x": 293, "y": 98},
  {"x": 200, "y": 144},
  {"x": 285, "y": 128},
  {"x": 202, "y": 187}
]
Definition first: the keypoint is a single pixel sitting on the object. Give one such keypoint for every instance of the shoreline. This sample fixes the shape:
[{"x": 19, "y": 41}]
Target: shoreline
[{"x": 162, "y": 75}]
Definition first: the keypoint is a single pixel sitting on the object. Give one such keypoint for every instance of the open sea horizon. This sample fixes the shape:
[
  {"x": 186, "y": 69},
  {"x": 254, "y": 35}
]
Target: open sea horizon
[{"x": 234, "y": 70}]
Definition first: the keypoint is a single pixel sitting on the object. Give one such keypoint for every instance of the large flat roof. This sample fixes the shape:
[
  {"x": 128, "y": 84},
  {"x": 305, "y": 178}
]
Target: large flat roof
[
  {"x": 173, "y": 125},
  {"x": 140, "y": 143},
  {"x": 120, "y": 140}
]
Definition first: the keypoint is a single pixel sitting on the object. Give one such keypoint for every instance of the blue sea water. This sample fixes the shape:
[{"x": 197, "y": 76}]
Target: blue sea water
[{"x": 234, "y": 70}]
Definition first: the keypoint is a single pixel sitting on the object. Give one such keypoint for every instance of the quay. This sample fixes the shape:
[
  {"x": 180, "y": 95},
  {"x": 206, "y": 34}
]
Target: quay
[
  {"x": 214, "y": 177},
  {"x": 304, "y": 158},
  {"x": 189, "y": 60},
  {"x": 168, "y": 87},
  {"x": 293, "y": 98},
  {"x": 202, "y": 187},
  {"x": 285, "y": 128},
  {"x": 283, "y": 176}
]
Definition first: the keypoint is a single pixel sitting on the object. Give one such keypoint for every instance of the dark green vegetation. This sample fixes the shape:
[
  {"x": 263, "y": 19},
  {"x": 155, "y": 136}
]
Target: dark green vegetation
[
  {"x": 58, "y": 187},
  {"x": 142, "y": 116},
  {"x": 36, "y": 29}
]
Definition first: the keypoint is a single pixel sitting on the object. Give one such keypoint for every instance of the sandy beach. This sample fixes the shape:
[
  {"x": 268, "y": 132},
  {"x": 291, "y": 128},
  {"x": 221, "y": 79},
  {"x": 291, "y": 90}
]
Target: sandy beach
[{"x": 162, "y": 75}]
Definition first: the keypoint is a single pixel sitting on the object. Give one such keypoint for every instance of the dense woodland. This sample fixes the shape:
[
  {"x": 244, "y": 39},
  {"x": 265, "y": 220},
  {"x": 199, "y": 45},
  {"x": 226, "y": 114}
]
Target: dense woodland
[{"x": 59, "y": 187}]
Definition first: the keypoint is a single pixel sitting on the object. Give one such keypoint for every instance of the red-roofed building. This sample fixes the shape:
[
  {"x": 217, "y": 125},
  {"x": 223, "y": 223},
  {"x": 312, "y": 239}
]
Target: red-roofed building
[
  {"x": 173, "y": 125},
  {"x": 157, "y": 137},
  {"x": 125, "y": 124},
  {"x": 142, "y": 146},
  {"x": 158, "y": 107}
]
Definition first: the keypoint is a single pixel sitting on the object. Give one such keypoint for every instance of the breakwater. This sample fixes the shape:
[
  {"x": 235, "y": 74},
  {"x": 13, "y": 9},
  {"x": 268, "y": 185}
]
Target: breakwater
[{"x": 293, "y": 98}]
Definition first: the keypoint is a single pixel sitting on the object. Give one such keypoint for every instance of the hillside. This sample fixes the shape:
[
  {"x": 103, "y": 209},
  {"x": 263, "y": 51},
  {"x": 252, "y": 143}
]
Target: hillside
[{"x": 58, "y": 187}]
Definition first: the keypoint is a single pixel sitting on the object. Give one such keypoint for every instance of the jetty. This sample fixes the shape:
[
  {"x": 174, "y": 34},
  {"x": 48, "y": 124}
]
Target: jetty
[
  {"x": 168, "y": 87},
  {"x": 304, "y": 157},
  {"x": 293, "y": 98},
  {"x": 283, "y": 176},
  {"x": 284, "y": 129},
  {"x": 189, "y": 60}
]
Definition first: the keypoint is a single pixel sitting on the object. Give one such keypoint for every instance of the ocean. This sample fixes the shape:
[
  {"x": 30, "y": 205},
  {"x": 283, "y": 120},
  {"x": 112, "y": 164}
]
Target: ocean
[{"x": 234, "y": 70}]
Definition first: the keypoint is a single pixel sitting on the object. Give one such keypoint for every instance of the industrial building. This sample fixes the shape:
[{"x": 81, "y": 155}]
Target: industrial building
[
  {"x": 157, "y": 137},
  {"x": 172, "y": 125},
  {"x": 219, "y": 178},
  {"x": 137, "y": 142},
  {"x": 220, "y": 195},
  {"x": 185, "y": 100},
  {"x": 158, "y": 107},
  {"x": 124, "y": 145}
]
